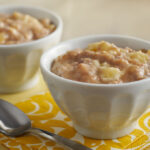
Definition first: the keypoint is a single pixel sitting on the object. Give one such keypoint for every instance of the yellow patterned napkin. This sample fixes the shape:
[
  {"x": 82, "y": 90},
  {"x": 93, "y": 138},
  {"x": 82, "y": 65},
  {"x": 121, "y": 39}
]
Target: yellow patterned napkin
[{"x": 45, "y": 114}]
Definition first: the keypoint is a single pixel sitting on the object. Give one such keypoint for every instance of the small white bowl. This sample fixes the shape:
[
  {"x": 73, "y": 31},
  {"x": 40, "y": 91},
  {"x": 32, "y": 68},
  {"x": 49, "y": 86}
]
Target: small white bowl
[
  {"x": 19, "y": 63},
  {"x": 101, "y": 111}
]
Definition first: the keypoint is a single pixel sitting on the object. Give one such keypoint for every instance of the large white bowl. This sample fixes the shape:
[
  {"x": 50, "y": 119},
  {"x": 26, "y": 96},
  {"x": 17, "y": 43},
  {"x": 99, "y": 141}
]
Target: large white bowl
[
  {"x": 19, "y": 63},
  {"x": 102, "y": 111}
]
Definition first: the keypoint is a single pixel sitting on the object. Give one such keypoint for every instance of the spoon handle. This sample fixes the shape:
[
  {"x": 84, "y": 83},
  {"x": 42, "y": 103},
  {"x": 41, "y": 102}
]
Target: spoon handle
[{"x": 59, "y": 139}]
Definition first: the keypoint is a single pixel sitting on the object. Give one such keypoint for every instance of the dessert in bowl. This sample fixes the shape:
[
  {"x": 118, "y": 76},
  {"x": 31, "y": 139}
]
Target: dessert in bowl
[
  {"x": 103, "y": 62},
  {"x": 19, "y": 27},
  {"x": 99, "y": 107},
  {"x": 25, "y": 32}
]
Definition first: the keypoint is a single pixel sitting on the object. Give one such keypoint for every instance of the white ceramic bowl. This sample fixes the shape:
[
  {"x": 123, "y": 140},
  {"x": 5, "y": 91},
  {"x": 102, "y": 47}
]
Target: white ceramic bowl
[
  {"x": 19, "y": 63},
  {"x": 102, "y": 111}
]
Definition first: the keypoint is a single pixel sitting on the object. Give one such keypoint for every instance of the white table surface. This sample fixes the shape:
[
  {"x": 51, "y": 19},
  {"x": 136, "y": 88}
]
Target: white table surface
[{"x": 84, "y": 17}]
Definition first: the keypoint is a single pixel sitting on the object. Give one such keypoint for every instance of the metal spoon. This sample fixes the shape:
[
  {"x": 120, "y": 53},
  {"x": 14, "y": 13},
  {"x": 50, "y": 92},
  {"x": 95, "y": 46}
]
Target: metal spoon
[{"x": 13, "y": 122}]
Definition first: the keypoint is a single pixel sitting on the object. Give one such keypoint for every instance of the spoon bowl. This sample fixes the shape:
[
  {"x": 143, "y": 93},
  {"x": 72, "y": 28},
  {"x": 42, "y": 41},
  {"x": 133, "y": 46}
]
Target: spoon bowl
[{"x": 14, "y": 122}]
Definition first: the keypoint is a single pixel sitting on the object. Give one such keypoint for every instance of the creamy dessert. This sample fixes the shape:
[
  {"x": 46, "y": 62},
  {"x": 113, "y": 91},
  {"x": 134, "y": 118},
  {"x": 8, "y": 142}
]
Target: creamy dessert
[
  {"x": 103, "y": 62},
  {"x": 19, "y": 28}
]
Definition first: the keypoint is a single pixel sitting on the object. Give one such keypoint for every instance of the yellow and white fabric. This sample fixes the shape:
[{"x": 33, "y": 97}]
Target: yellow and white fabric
[
  {"x": 39, "y": 105},
  {"x": 45, "y": 114}
]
